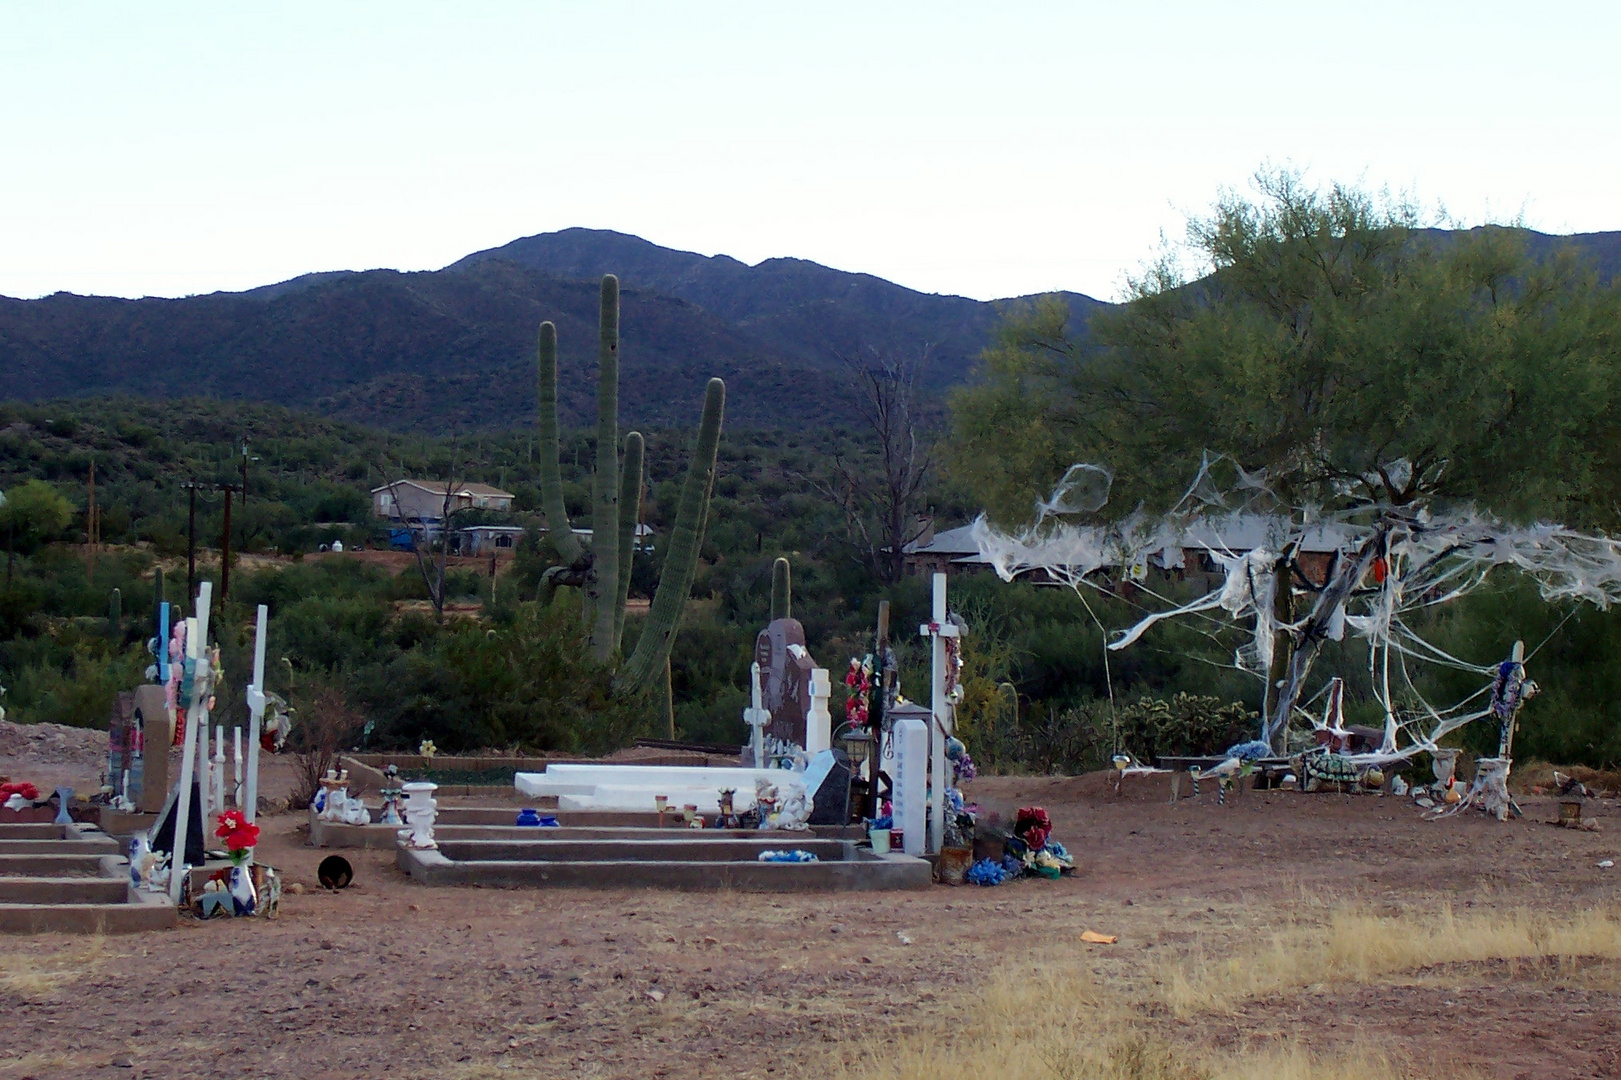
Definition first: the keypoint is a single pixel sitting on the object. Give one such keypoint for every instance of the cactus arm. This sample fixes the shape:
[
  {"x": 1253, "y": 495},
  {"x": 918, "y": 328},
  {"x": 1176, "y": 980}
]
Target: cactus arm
[
  {"x": 630, "y": 515},
  {"x": 782, "y": 597},
  {"x": 602, "y": 587},
  {"x": 652, "y": 652},
  {"x": 551, "y": 473}
]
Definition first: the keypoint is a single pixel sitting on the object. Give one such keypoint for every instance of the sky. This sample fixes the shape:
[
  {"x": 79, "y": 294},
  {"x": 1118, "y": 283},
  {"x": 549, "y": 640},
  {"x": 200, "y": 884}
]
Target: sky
[{"x": 986, "y": 150}]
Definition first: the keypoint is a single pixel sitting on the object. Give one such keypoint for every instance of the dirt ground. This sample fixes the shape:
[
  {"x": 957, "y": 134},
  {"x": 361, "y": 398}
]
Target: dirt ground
[{"x": 390, "y": 979}]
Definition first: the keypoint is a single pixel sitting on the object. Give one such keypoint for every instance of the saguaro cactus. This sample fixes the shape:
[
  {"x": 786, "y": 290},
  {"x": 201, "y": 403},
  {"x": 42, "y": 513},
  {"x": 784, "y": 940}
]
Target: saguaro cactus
[
  {"x": 115, "y": 615},
  {"x": 603, "y": 569},
  {"x": 646, "y": 664},
  {"x": 782, "y": 595},
  {"x": 630, "y": 515}
]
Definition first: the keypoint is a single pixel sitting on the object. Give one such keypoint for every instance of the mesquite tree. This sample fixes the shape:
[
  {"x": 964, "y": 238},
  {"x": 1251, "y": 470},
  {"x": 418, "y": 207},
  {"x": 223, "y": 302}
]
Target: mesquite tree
[{"x": 602, "y": 568}]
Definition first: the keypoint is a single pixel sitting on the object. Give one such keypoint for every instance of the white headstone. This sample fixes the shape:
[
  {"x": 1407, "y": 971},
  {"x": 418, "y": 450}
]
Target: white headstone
[{"x": 911, "y": 739}]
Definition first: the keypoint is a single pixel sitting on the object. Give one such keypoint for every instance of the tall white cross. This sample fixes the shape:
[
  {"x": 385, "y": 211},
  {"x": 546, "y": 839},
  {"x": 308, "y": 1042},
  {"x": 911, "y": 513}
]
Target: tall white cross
[
  {"x": 937, "y": 629},
  {"x": 757, "y": 716},
  {"x": 196, "y": 733},
  {"x": 256, "y": 715}
]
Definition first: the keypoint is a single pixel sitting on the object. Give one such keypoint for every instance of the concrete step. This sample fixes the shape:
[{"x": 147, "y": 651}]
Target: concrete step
[
  {"x": 860, "y": 873},
  {"x": 127, "y": 918},
  {"x": 681, "y": 849},
  {"x": 30, "y": 865},
  {"x": 42, "y": 830},
  {"x": 98, "y": 845},
  {"x": 63, "y": 890}
]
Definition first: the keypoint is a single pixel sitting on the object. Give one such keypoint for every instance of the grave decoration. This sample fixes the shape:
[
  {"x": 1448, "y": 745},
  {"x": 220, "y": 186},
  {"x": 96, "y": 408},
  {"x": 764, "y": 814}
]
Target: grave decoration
[
  {"x": 390, "y": 794},
  {"x": 240, "y": 836},
  {"x": 421, "y": 810},
  {"x": 334, "y": 803},
  {"x": 1397, "y": 550},
  {"x": 786, "y": 668}
]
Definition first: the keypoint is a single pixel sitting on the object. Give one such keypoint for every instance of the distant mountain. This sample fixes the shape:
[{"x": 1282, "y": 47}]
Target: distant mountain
[
  {"x": 800, "y": 309},
  {"x": 455, "y": 347}
]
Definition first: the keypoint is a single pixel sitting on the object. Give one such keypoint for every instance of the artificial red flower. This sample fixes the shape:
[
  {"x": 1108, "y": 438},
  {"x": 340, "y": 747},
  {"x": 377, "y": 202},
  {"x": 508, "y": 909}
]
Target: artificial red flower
[
  {"x": 1033, "y": 826},
  {"x": 23, "y": 788},
  {"x": 236, "y": 831}
]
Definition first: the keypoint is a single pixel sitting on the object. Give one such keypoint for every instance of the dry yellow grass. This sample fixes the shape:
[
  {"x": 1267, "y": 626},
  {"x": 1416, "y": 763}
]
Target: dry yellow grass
[
  {"x": 1058, "y": 1025},
  {"x": 1357, "y": 947},
  {"x": 33, "y": 974}
]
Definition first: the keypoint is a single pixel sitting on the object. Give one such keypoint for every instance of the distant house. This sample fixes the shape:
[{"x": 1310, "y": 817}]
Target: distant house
[
  {"x": 423, "y": 501},
  {"x": 484, "y": 539}
]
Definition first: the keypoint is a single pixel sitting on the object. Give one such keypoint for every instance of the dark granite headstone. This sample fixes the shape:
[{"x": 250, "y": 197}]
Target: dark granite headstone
[
  {"x": 785, "y": 667},
  {"x": 830, "y": 804}
]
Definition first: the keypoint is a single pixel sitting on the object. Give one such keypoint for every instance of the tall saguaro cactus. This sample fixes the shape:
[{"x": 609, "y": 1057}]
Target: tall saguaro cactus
[
  {"x": 646, "y": 664},
  {"x": 602, "y": 586},
  {"x": 602, "y": 570}
]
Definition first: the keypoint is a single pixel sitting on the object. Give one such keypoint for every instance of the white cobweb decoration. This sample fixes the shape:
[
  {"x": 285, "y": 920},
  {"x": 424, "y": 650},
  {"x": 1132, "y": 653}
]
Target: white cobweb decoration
[{"x": 1393, "y": 562}]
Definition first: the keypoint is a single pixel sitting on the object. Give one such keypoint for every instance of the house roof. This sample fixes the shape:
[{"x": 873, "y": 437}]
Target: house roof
[{"x": 437, "y": 487}]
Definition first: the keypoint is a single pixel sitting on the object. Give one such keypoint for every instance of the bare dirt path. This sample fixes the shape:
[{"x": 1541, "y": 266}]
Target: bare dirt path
[{"x": 391, "y": 979}]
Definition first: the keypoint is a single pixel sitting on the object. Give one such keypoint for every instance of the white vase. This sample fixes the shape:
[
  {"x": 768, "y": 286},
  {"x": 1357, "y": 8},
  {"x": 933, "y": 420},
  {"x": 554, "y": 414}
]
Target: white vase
[
  {"x": 244, "y": 897},
  {"x": 421, "y": 810}
]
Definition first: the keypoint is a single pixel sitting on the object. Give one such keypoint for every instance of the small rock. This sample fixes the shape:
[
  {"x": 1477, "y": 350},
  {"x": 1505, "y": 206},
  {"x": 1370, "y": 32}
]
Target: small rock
[
  {"x": 326, "y": 943},
  {"x": 1605, "y": 864},
  {"x": 413, "y": 907},
  {"x": 707, "y": 940},
  {"x": 294, "y": 888},
  {"x": 866, "y": 959},
  {"x": 904, "y": 939},
  {"x": 122, "y": 1062},
  {"x": 656, "y": 995},
  {"x": 836, "y": 928}
]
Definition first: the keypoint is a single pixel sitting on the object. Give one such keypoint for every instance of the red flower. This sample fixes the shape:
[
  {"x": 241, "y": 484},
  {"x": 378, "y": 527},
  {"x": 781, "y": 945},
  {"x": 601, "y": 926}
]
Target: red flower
[
  {"x": 235, "y": 830},
  {"x": 23, "y": 788},
  {"x": 1033, "y": 826}
]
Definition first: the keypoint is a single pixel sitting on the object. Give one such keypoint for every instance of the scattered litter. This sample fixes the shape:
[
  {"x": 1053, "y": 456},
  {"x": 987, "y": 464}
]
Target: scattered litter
[
  {"x": 904, "y": 939},
  {"x": 1092, "y": 937},
  {"x": 797, "y": 855},
  {"x": 656, "y": 995},
  {"x": 1605, "y": 864}
]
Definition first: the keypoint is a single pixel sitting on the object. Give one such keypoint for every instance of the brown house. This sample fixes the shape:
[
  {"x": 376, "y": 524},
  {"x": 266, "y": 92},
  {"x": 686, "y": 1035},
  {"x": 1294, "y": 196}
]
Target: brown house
[{"x": 424, "y": 500}]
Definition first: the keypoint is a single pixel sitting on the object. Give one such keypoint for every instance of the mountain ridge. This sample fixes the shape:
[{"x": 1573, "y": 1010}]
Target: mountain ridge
[{"x": 454, "y": 348}]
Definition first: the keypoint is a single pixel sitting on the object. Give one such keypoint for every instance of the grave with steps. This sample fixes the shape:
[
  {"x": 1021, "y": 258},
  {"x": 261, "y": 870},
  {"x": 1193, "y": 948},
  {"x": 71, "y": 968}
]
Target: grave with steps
[
  {"x": 671, "y": 858},
  {"x": 73, "y": 879}
]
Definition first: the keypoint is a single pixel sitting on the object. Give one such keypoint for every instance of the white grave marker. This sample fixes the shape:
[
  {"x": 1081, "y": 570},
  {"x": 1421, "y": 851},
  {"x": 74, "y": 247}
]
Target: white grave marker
[{"x": 911, "y": 741}]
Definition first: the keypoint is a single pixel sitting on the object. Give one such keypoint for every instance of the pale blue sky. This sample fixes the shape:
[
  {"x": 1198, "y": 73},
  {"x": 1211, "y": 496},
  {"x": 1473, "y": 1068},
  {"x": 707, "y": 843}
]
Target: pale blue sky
[{"x": 981, "y": 149}]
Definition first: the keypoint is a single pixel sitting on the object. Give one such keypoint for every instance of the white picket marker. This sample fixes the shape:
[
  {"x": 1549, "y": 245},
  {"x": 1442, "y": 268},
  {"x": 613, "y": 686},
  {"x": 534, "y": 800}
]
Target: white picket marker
[{"x": 256, "y": 715}]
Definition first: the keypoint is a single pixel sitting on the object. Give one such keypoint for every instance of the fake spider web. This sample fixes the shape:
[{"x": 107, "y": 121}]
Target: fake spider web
[{"x": 1385, "y": 565}]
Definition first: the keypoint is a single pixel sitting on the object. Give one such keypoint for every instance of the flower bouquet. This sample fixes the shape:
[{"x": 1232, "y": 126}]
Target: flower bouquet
[{"x": 240, "y": 836}]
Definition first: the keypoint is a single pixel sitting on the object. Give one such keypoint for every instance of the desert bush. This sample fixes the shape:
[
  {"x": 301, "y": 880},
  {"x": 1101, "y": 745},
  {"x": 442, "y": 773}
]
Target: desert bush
[
  {"x": 324, "y": 725},
  {"x": 1184, "y": 725}
]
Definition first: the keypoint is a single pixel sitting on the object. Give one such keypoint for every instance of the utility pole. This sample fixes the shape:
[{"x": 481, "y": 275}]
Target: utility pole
[
  {"x": 225, "y": 544},
  {"x": 191, "y": 541},
  {"x": 90, "y": 525}
]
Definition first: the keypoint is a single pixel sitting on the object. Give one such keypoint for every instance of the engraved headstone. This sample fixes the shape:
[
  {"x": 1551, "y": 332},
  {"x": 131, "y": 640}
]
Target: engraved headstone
[{"x": 785, "y": 676}]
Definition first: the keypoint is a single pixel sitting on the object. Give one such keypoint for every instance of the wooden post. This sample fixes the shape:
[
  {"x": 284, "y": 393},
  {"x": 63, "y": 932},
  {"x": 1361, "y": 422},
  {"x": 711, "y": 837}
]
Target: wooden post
[
  {"x": 191, "y": 544},
  {"x": 225, "y": 548},
  {"x": 875, "y": 709}
]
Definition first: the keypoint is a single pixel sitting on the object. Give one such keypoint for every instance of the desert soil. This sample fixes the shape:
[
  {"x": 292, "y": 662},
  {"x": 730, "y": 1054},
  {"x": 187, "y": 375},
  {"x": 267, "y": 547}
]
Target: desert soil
[{"x": 391, "y": 979}]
